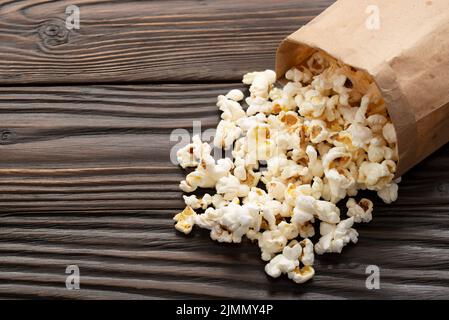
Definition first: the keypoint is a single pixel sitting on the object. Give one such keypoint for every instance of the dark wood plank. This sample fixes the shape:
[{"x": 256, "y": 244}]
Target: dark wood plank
[
  {"x": 145, "y": 40},
  {"x": 85, "y": 179}
]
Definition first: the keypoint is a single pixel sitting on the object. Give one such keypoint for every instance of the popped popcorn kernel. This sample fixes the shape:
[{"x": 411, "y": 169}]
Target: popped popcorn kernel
[{"x": 185, "y": 220}]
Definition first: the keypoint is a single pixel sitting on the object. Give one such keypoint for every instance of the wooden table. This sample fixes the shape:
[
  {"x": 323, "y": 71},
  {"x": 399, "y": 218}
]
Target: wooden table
[{"x": 85, "y": 176}]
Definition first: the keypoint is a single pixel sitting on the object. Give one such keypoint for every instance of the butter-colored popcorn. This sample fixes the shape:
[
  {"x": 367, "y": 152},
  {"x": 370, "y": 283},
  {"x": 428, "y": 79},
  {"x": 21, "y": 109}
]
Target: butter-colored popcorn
[
  {"x": 207, "y": 174},
  {"x": 240, "y": 169},
  {"x": 227, "y": 132},
  {"x": 190, "y": 155},
  {"x": 312, "y": 104},
  {"x": 335, "y": 236},
  {"x": 258, "y": 105},
  {"x": 276, "y": 189},
  {"x": 339, "y": 181},
  {"x": 307, "y": 230},
  {"x": 389, "y": 133},
  {"x": 260, "y": 82},
  {"x": 229, "y": 223},
  {"x": 389, "y": 193},
  {"x": 235, "y": 95},
  {"x": 297, "y": 151},
  {"x": 361, "y": 135},
  {"x": 336, "y": 157},
  {"x": 302, "y": 75},
  {"x": 185, "y": 220},
  {"x": 249, "y": 122},
  {"x": 376, "y": 122},
  {"x": 317, "y": 63},
  {"x": 271, "y": 242},
  {"x": 232, "y": 110},
  {"x": 288, "y": 230},
  {"x": 377, "y": 150},
  {"x": 376, "y": 176},
  {"x": 307, "y": 256},
  {"x": 261, "y": 147},
  {"x": 285, "y": 262},
  {"x": 361, "y": 211},
  {"x": 360, "y": 116},
  {"x": 231, "y": 187},
  {"x": 301, "y": 275},
  {"x": 195, "y": 203},
  {"x": 307, "y": 208},
  {"x": 317, "y": 130}
]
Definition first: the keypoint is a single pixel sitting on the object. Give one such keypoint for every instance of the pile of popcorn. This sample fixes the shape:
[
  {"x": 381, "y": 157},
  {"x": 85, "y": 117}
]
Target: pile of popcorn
[{"x": 296, "y": 152}]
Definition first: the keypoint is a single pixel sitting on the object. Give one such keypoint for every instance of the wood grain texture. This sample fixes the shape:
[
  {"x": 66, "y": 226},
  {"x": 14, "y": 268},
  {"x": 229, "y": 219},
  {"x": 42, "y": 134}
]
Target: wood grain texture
[
  {"x": 86, "y": 179},
  {"x": 155, "y": 41},
  {"x": 85, "y": 171}
]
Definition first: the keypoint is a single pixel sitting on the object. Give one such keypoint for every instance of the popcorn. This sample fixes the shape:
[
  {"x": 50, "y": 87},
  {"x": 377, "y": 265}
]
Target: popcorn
[
  {"x": 376, "y": 176},
  {"x": 231, "y": 187},
  {"x": 312, "y": 104},
  {"x": 260, "y": 82},
  {"x": 235, "y": 95},
  {"x": 271, "y": 242},
  {"x": 232, "y": 110},
  {"x": 361, "y": 135},
  {"x": 258, "y": 105},
  {"x": 206, "y": 174},
  {"x": 190, "y": 155},
  {"x": 307, "y": 257},
  {"x": 389, "y": 193},
  {"x": 361, "y": 211},
  {"x": 317, "y": 130},
  {"x": 389, "y": 133},
  {"x": 285, "y": 262},
  {"x": 297, "y": 151},
  {"x": 301, "y": 275},
  {"x": 289, "y": 262},
  {"x": 227, "y": 132},
  {"x": 308, "y": 207},
  {"x": 340, "y": 182},
  {"x": 276, "y": 189},
  {"x": 335, "y": 236},
  {"x": 336, "y": 157},
  {"x": 185, "y": 220},
  {"x": 196, "y": 203},
  {"x": 299, "y": 75}
]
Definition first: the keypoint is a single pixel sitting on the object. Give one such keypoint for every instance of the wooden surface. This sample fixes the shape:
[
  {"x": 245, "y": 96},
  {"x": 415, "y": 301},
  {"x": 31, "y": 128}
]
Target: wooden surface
[{"x": 86, "y": 177}]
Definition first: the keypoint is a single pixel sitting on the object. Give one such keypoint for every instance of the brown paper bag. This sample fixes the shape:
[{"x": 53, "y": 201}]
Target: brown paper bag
[{"x": 407, "y": 54}]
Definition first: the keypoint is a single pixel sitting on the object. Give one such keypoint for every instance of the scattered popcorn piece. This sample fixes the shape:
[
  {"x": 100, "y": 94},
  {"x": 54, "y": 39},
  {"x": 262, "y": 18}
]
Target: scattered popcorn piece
[
  {"x": 235, "y": 95},
  {"x": 232, "y": 110},
  {"x": 307, "y": 257},
  {"x": 207, "y": 174},
  {"x": 190, "y": 155},
  {"x": 389, "y": 193},
  {"x": 361, "y": 211},
  {"x": 260, "y": 82},
  {"x": 285, "y": 262},
  {"x": 301, "y": 275},
  {"x": 335, "y": 236},
  {"x": 185, "y": 220}
]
